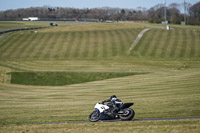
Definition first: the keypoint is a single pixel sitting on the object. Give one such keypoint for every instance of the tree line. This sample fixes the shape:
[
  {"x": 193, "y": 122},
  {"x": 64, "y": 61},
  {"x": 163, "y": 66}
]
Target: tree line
[
  {"x": 155, "y": 14},
  {"x": 190, "y": 13}
]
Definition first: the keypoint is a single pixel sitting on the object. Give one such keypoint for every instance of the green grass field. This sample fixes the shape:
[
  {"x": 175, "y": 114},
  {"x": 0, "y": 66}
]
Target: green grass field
[
  {"x": 62, "y": 78},
  {"x": 182, "y": 126},
  {"x": 168, "y": 86}
]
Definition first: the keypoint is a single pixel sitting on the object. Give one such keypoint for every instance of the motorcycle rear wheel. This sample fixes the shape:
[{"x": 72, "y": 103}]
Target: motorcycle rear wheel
[
  {"x": 129, "y": 114},
  {"x": 94, "y": 117}
]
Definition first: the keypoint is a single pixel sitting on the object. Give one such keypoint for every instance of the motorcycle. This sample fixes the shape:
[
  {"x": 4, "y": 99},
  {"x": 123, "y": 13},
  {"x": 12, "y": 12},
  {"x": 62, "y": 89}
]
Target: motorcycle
[{"x": 104, "y": 112}]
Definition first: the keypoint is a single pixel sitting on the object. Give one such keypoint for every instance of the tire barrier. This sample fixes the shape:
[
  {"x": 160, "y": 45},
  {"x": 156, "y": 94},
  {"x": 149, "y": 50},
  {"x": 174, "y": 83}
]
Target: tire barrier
[{"x": 14, "y": 30}]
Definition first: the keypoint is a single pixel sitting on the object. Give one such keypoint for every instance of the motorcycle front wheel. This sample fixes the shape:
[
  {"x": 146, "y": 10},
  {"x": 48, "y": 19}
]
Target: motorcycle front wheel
[
  {"x": 94, "y": 116},
  {"x": 128, "y": 115}
]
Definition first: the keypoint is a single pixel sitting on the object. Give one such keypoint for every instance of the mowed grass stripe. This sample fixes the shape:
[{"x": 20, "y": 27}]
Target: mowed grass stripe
[
  {"x": 27, "y": 44},
  {"x": 119, "y": 42},
  {"x": 198, "y": 44},
  {"x": 36, "y": 52},
  {"x": 15, "y": 46},
  {"x": 36, "y": 45},
  {"x": 92, "y": 41},
  {"x": 170, "y": 43},
  {"x": 69, "y": 45},
  {"x": 180, "y": 43},
  {"x": 104, "y": 44},
  {"x": 63, "y": 48},
  {"x": 129, "y": 39},
  {"x": 96, "y": 44},
  {"x": 56, "y": 46},
  {"x": 124, "y": 38},
  {"x": 86, "y": 44},
  {"x": 192, "y": 43},
  {"x": 195, "y": 39},
  {"x": 166, "y": 43},
  {"x": 132, "y": 35},
  {"x": 122, "y": 41},
  {"x": 82, "y": 45},
  {"x": 45, "y": 46},
  {"x": 6, "y": 47},
  {"x": 59, "y": 45},
  {"x": 175, "y": 44},
  {"x": 152, "y": 43},
  {"x": 28, "y": 48},
  {"x": 74, "y": 45},
  {"x": 34, "y": 41},
  {"x": 91, "y": 44},
  {"x": 100, "y": 43},
  {"x": 144, "y": 46},
  {"x": 156, "y": 87},
  {"x": 140, "y": 46},
  {"x": 109, "y": 44},
  {"x": 158, "y": 43},
  {"x": 126, "y": 44},
  {"x": 78, "y": 45},
  {"x": 161, "y": 43},
  {"x": 189, "y": 45},
  {"x": 50, "y": 46},
  {"x": 183, "y": 43},
  {"x": 5, "y": 40},
  {"x": 115, "y": 43},
  {"x": 33, "y": 45}
]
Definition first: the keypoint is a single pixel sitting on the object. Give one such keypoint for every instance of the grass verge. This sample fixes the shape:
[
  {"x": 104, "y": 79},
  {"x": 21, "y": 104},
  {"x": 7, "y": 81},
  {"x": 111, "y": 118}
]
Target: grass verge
[{"x": 172, "y": 126}]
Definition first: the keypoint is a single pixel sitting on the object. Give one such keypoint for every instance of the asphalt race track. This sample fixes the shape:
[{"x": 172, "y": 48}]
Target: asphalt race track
[{"x": 149, "y": 119}]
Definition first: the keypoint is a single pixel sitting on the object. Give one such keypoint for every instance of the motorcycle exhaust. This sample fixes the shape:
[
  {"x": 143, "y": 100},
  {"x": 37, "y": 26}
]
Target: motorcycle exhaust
[{"x": 121, "y": 112}]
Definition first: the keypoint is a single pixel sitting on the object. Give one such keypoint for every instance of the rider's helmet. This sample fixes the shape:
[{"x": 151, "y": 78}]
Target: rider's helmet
[{"x": 113, "y": 97}]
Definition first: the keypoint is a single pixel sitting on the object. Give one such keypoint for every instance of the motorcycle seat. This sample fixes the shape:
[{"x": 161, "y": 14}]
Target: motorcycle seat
[{"x": 126, "y": 105}]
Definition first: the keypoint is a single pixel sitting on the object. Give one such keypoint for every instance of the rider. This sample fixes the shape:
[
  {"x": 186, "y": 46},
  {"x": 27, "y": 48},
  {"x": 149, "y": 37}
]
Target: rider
[{"x": 115, "y": 103}]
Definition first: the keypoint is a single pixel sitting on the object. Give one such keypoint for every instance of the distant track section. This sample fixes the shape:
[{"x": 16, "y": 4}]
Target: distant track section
[{"x": 14, "y": 30}]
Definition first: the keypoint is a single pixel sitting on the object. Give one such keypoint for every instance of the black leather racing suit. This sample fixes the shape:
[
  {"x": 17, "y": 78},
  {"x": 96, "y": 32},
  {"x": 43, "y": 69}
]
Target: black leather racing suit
[{"x": 115, "y": 104}]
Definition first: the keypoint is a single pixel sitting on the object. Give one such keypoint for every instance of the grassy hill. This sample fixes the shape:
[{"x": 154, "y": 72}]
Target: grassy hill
[
  {"x": 89, "y": 44},
  {"x": 98, "y": 42},
  {"x": 177, "y": 43},
  {"x": 168, "y": 86}
]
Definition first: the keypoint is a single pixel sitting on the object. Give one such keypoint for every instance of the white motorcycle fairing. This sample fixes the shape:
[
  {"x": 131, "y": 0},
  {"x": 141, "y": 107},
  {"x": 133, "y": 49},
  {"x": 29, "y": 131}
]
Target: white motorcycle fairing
[
  {"x": 103, "y": 112},
  {"x": 101, "y": 107}
]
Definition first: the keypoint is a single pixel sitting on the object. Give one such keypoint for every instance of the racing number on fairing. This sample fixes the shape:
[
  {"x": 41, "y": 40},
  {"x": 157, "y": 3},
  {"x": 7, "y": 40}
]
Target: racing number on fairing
[{"x": 102, "y": 107}]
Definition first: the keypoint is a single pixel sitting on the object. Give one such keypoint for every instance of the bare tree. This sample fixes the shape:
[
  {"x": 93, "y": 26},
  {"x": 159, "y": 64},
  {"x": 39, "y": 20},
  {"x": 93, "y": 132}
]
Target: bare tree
[{"x": 194, "y": 12}]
